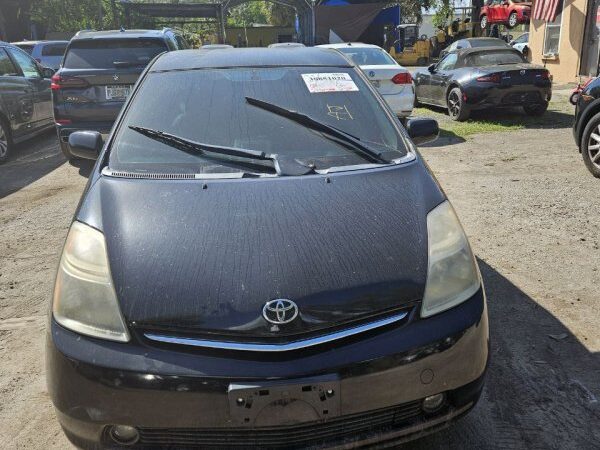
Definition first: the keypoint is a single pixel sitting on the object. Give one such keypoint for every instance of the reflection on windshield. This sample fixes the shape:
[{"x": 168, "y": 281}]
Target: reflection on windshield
[{"x": 209, "y": 106}]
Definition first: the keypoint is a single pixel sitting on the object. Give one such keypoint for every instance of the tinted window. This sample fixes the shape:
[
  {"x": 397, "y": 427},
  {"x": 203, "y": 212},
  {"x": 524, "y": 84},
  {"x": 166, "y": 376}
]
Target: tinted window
[
  {"x": 487, "y": 43},
  {"x": 54, "y": 49},
  {"x": 25, "y": 47},
  {"x": 522, "y": 39},
  {"x": 368, "y": 56},
  {"x": 27, "y": 65},
  {"x": 448, "y": 62},
  {"x": 108, "y": 53},
  {"x": 209, "y": 106},
  {"x": 7, "y": 68},
  {"x": 493, "y": 58}
]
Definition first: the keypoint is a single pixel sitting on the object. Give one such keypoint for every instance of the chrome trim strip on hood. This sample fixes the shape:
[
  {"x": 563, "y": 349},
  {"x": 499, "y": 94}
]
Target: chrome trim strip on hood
[{"x": 259, "y": 347}]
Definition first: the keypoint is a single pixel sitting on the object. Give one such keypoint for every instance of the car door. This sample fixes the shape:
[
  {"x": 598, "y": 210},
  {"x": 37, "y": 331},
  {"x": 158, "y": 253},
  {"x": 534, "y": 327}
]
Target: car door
[
  {"x": 440, "y": 77},
  {"x": 16, "y": 96},
  {"x": 40, "y": 87},
  {"x": 423, "y": 86}
]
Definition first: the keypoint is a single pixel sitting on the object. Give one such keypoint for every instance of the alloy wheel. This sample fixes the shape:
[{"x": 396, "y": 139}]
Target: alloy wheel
[
  {"x": 593, "y": 148},
  {"x": 3, "y": 143},
  {"x": 454, "y": 104},
  {"x": 483, "y": 22},
  {"x": 512, "y": 20}
]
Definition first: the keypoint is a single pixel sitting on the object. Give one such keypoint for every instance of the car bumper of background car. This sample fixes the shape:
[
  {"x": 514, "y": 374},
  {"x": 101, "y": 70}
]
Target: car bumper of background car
[
  {"x": 181, "y": 397},
  {"x": 505, "y": 97},
  {"x": 401, "y": 104}
]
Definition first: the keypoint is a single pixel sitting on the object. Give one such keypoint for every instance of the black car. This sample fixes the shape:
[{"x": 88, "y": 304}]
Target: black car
[
  {"x": 25, "y": 98},
  {"x": 98, "y": 72},
  {"x": 482, "y": 78},
  {"x": 586, "y": 128},
  {"x": 261, "y": 259}
]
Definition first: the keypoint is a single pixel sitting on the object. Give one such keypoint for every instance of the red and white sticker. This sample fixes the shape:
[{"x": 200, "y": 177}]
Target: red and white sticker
[{"x": 329, "y": 82}]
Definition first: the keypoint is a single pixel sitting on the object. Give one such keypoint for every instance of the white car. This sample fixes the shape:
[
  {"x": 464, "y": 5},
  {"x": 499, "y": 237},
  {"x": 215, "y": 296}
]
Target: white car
[
  {"x": 47, "y": 53},
  {"x": 393, "y": 81},
  {"x": 521, "y": 43}
]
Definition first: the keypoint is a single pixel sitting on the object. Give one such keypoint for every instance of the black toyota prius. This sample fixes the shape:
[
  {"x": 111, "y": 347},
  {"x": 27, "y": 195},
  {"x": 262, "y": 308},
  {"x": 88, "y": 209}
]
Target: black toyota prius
[{"x": 262, "y": 259}]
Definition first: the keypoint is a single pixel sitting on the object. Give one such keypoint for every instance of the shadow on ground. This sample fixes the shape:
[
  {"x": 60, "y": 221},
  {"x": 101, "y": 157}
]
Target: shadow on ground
[
  {"x": 30, "y": 161},
  {"x": 542, "y": 384}
]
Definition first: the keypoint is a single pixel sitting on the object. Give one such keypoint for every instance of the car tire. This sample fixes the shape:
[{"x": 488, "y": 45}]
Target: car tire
[
  {"x": 483, "y": 22},
  {"x": 587, "y": 140},
  {"x": 6, "y": 143},
  {"x": 457, "y": 110},
  {"x": 536, "y": 109},
  {"x": 513, "y": 20}
]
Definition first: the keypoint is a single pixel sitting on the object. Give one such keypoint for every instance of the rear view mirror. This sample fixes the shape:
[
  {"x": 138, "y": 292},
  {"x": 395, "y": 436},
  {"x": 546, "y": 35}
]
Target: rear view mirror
[
  {"x": 86, "y": 144},
  {"x": 422, "y": 131},
  {"x": 47, "y": 72},
  {"x": 431, "y": 68}
]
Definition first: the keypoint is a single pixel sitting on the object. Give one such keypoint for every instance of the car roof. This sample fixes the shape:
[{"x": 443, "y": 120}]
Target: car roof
[
  {"x": 119, "y": 34},
  {"x": 349, "y": 45},
  {"x": 38, "y": 42},
  {"x": 471, "y": 50},
  {"x": 249, "y": 57}
]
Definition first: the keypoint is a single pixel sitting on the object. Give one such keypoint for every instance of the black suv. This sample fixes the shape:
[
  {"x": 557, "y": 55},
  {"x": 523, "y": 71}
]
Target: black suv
[{"x": 98, "y": 71}]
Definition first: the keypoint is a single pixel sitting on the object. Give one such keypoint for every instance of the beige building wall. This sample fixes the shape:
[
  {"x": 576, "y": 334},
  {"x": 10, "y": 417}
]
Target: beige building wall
[{"x": 564, "y": 67}]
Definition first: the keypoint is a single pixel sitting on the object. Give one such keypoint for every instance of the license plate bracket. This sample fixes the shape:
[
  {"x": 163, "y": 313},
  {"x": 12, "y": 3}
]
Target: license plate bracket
[
  {"x": 289, "y": 402},
  {"x": 117, "y": 92}
]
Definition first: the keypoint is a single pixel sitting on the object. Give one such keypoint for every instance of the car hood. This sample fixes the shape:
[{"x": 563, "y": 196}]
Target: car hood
[{"x": 205, "y": 256}]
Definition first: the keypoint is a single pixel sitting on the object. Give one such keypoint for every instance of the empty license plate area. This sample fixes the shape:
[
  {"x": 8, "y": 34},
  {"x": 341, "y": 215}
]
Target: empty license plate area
[
  {"x": 278, "y": 403},
  {"x": 117, "y": 92}
]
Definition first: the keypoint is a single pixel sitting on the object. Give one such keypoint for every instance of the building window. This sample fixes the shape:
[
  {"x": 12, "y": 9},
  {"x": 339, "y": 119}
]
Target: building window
[{"x": 552, "y": 33}]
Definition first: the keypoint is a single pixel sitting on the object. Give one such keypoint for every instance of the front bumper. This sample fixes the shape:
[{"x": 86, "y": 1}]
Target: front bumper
[{"x": 177, "y": 396}]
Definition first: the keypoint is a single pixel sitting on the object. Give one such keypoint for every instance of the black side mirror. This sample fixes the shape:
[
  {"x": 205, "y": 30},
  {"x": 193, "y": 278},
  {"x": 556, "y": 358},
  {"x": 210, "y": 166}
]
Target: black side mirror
[
  {"x": 85, "y": 144},
  {"x": 422, "y": 131},
  {"x": 47, "y": 72},
  {"x": 431, "y": 68}
]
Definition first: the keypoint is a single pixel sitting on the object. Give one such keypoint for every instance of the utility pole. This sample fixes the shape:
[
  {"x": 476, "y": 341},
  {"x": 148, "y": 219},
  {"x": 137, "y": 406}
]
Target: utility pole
[{"x": 100, "y": 15}]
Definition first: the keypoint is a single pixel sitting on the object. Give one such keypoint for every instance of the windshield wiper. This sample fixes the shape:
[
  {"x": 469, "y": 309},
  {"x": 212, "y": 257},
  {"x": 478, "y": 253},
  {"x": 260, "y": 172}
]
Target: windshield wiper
[
  {"x": 328, "y": 131},
  {"x": 282, "y": 165}
]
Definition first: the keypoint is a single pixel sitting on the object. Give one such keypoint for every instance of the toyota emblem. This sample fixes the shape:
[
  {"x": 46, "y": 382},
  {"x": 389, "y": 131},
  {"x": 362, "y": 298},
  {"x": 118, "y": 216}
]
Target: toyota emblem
[
  {"x": 371, "y": 74},
  {"x": 280, "y": 311}
]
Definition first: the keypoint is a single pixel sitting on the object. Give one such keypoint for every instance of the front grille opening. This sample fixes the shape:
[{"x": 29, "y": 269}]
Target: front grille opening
[{"x": 337, "y": 430}]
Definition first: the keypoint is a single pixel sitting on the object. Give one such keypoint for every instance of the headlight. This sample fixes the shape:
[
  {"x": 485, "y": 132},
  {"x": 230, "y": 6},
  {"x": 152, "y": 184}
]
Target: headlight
[
  {"x": 452, "y": 276},
  {"x": 84, "y": 296}
]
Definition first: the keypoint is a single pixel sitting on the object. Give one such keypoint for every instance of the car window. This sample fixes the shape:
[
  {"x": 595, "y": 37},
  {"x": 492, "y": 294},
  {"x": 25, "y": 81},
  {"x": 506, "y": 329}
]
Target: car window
[
  {"x": 181, "y": 42},
  {"x": 448, "y": 62},
  {"x": 522, "y": 39},
  {"x": 477, "y": 43},
  {"x": 28, "y": 48},
  {"x": 493, "y": 58},
  {"x": 54, "y": 49},
  {"x": 368, "y": 56},
  {"x": 209, "y": 106},
  {"x": 452, "y": 46},
  {"x": 104, "y": 53},
  {"x": 7, "y": 68},
  {"x": 25, "y": 62}
]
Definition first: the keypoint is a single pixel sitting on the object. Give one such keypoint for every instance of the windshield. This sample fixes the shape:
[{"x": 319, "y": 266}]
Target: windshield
[
  {"x": 494, "y": 58},
  {"x": 104, "y": 53},
  {"x": 25, "y": 47},
  {"x": 522, "y": 39},
  {"x": 210, "y": 106},
  {"x": 368, "y": 56},
  {"x": 488, "y": 43}
]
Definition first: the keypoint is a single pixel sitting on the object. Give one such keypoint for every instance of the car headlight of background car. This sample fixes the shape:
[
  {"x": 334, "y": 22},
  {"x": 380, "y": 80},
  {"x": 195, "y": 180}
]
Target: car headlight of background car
[
  {"x": 452, "y": 276},
  {"x": 84, "y": 296}
]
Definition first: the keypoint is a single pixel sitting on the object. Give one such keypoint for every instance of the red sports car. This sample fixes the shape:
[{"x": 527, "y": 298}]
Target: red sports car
[{"x": 509, "y": 12}]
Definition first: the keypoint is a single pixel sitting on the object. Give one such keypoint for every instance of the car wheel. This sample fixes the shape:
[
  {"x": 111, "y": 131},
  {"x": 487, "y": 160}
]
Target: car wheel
[
  {"x": 590, "y": 145},
  {"x": 536, "y": 109},
  {"x": 513, "y": 20},
  {"x": 457, "y": 110},
  {"x": 483, "y": 22},
  {"x": 5, "y": 142}
]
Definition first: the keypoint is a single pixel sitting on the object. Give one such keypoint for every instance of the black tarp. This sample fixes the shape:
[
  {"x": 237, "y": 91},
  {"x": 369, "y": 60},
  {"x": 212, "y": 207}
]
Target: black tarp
[{"x": 347, "y": 21}]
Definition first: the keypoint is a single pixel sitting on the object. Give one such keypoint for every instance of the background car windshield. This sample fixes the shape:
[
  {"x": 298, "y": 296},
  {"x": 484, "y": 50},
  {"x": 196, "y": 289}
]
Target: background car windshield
[
  {"x": 368, "y": 56},
  {"x": 26, "y": 47},
  {"x": 522, "y": 39},
  {"x": 54, "y": 49},
  {"x": 494, "y": 58},
  {"x": 104, "y": 53},
  {"x": 475, "y": 43},
  {"x": 209, "y": 106}
]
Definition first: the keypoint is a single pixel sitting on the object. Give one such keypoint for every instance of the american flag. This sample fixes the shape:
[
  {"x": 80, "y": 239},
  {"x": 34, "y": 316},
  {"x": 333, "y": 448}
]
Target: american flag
[{"x": 545, "y": 10}]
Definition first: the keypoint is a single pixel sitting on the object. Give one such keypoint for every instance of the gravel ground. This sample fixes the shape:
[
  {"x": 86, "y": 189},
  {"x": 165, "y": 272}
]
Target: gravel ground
[{"x": 531, "y": 210}]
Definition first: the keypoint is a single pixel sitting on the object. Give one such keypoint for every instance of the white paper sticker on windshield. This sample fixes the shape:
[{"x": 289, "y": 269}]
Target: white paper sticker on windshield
[{"x": 329, "y": 82}]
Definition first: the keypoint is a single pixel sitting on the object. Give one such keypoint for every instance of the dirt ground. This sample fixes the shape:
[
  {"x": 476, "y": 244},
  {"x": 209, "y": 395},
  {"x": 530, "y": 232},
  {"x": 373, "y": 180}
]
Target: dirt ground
[{"x": 532, "y": 213}]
